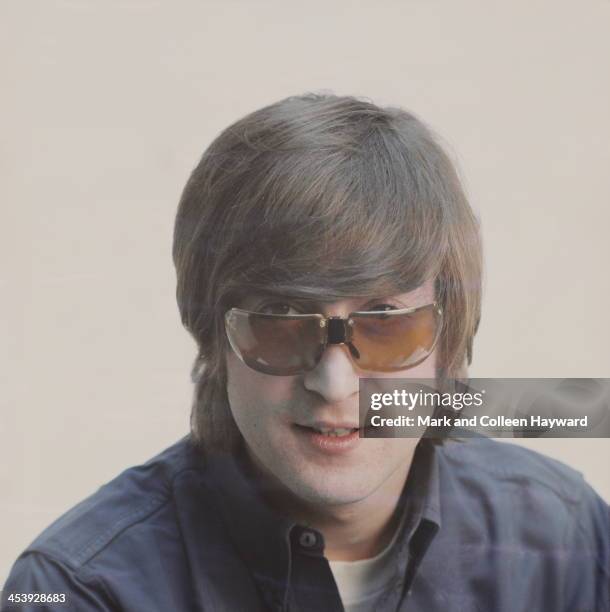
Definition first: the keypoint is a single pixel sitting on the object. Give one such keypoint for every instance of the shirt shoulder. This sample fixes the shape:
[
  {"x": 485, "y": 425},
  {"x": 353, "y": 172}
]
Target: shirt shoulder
[
  {"x": 508, "y": 464},
  {"x": 519, "y": 485},
  {"x": 526, "y": 511},
  {"x": 128, "y": 500},
  {"x": 134, "y": 543}
]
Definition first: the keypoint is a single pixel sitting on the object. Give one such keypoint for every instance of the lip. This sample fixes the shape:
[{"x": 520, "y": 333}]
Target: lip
[
  {"x": 328, "y": 445},
  {"x": 327, "y": 425}
]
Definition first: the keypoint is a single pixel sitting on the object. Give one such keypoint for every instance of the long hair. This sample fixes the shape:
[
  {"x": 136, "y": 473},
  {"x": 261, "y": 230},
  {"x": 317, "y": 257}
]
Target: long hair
[{"x": 326, "y": 197}]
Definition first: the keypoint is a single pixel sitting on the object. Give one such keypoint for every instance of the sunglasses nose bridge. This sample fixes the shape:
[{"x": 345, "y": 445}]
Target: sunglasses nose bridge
[{"x": 339, "y": 330}]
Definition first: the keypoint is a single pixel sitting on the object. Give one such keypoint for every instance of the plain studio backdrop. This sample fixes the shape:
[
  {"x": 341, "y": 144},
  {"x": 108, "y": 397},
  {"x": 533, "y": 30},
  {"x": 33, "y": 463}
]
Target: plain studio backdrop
[{"x": 106, "y": 106}]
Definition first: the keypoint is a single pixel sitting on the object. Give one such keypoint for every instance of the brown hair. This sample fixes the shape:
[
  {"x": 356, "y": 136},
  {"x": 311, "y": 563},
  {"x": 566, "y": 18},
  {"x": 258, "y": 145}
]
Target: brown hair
[{"x": 325, "y": 197}]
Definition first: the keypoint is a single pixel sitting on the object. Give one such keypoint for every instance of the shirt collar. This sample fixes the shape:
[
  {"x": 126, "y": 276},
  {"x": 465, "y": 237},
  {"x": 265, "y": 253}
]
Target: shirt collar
[
  {"x": 423, "y": 481},
  {"x": 260, "y": 536}
]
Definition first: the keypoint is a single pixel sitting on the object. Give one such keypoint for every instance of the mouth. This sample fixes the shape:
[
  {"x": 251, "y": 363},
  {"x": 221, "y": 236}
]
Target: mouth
[
  {"x": 328, "y": 440},
  {"x": 331, "y": 431},
  {"x": 342, "y": 430},
  {"x": 331, "y": 439}
]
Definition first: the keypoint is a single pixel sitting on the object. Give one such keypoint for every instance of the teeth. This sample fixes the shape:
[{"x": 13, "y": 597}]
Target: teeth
[{"x": 342, "y": 431}]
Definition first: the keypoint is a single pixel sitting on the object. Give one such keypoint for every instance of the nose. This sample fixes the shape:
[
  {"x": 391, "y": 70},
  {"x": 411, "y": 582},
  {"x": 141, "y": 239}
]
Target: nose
[{"x": 335, "y": 377}]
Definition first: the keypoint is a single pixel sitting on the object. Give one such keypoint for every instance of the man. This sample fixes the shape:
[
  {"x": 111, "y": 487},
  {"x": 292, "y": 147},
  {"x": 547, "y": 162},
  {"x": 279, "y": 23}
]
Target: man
[{"x": 319, "y": 241}]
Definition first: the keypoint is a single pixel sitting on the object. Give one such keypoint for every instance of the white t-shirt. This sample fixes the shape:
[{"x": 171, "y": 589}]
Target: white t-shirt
[{"x": 361, "y": 582}]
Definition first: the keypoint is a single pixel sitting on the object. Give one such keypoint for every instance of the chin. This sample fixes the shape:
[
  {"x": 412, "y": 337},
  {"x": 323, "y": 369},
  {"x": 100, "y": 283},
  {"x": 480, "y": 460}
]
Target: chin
[
  {"x": 323, "y": 497},
  {"x": 330, "y": 489}
]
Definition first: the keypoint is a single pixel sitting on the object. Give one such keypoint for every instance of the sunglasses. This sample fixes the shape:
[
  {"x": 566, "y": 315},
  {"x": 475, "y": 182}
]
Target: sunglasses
[{"x": 378, "y": 341}]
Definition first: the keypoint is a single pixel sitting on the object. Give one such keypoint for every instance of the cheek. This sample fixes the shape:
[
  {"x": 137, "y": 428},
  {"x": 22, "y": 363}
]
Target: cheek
[{"x": 248, "y": 388}]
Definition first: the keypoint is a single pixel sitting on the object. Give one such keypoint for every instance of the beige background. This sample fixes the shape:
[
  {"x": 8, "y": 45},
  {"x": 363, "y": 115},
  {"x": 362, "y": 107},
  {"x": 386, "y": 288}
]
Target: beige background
[{"x": 105, "y": 108}]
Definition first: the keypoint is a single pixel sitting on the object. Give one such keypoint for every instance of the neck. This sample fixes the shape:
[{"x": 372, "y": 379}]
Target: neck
[{"x": 353, "y": 531}]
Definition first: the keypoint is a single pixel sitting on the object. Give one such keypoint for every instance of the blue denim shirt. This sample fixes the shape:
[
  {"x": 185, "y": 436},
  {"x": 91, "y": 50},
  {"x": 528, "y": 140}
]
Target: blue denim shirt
[{"x": 489, "y": 527}]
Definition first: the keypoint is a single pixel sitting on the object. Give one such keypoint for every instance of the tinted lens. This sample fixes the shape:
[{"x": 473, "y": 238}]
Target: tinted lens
[
  {"x": 275, "y": 344},
  {"x": 388, "y": 342}
]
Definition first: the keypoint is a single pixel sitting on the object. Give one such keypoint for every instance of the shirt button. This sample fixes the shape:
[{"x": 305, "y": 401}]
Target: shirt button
[{"x": 307, "y": 539}]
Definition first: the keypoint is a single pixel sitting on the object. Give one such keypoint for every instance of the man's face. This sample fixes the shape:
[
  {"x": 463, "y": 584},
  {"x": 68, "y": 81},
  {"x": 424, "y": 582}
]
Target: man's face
[{"x": 271, "y": 411}]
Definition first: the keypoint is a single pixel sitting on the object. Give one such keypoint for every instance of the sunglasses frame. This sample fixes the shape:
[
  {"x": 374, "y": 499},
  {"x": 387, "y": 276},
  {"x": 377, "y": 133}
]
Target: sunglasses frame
[{"x": 337, "y": 331}]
